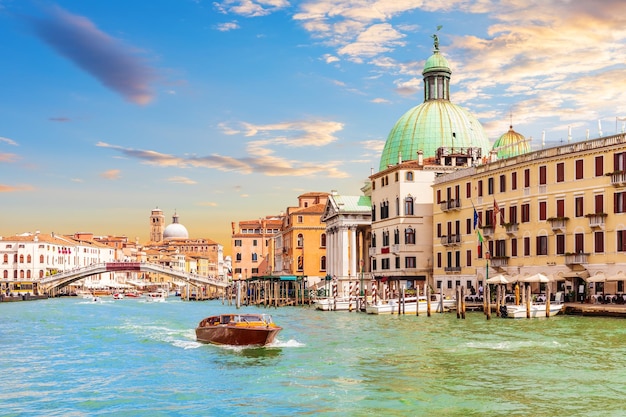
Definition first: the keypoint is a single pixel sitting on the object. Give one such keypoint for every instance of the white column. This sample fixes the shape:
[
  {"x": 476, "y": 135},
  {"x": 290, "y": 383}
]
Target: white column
[
  {"x": 353, "y": 256},
  {"x": 344, "y": 251}
]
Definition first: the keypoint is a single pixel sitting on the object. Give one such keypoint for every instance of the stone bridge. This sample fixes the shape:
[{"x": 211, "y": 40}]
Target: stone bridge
[{"x": 53, "y": 283}]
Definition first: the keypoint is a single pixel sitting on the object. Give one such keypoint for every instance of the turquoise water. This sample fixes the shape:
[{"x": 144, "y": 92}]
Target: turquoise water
[{"x": 71, "y": 357}]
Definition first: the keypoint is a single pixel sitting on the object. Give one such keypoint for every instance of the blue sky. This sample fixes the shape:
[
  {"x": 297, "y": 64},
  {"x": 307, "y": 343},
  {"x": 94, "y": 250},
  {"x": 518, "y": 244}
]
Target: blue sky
[{"x": 228, "y": 110}]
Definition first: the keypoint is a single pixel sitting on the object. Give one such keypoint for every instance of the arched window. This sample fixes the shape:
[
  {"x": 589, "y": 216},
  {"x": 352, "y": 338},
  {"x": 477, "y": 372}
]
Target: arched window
[
  {"x": 397, "y": 206},
  {"x": 323, "y": 240},
  {"x": 21, "y": 259},
  {"x": 409, "y": 236},
  {"x": 323, "y": 263},
  {"x": 386, "y": 238},
  {"x": 409, "y": 176},
  {"x": 41, "y": 273},
  {"x": 29, "y": 259},
  {"x": 238, "y": 257},
  {"x": 21, "y": 273},
  {"x": 254, "y": 257},
  {"x": 396, "y": 237},
  {"x": 300, "y": 242},
  {"x": 6, "y": 274},
  {"x": 6, "y": 259},
  {"x": 40, "y": 259},
  {"x": 373, "y": 240},
  {"x": 408, "y": 206},
  {"x": 28, "y": 274}
]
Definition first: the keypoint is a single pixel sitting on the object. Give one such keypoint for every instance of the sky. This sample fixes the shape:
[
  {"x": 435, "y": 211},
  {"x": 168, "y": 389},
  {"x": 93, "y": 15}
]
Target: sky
[{"x": 227, "y": 110}]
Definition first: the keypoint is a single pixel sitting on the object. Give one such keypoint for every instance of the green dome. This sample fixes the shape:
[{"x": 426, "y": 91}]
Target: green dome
[
  {"x": 511, "y": 144},
  {"x": 429, "y": 126},
  {"x": 436, "y": 62}
]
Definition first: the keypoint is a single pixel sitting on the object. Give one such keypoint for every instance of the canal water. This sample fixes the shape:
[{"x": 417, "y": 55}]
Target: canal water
[{"x": 72, "y": 357}]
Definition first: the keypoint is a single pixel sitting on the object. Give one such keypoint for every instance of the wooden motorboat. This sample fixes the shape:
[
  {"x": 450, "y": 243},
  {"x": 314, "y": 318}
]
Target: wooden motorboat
[{"x": 237, "y": 330}]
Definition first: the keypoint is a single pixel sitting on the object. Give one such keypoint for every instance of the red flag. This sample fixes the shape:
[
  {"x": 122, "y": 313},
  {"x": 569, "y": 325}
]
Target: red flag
[{"x": 496, "y": 211}]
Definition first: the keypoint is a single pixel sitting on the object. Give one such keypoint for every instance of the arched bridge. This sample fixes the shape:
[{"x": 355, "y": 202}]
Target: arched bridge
[{"x": 51, "y": 284}]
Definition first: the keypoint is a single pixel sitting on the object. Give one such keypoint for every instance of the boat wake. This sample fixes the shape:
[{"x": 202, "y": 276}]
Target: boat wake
[
  {"x": 289, "y": 343},
  {"x": 513, "y": 344}
]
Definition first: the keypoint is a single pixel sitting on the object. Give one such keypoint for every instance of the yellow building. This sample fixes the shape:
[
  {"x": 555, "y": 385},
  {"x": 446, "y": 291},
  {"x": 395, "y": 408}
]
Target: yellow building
[
  {"x": 558, "y": 211},
  {"x": 300, "y": 248}
]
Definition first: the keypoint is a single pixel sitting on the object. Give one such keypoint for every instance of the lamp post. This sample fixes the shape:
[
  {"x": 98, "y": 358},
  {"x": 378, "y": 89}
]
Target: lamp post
[{"x": 361, "y": 265}]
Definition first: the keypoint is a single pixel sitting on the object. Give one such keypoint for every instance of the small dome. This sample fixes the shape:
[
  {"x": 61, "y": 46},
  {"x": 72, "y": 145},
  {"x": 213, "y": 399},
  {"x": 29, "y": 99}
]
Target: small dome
[
  {"x": 511, "y": 144},
  {"x": 436, "y": 62},
  {"x": 175, "y": 230}
]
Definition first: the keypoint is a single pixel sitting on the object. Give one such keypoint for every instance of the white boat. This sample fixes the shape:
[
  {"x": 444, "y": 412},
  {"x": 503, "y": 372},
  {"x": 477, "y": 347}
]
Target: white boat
[
  {"x": 536, "y": 310},
  {"x": 335, "y": 304},
  {"x": 118, "y": 296},
  {"x": 411, "y": 304},
  {"x": 156, "y": 297}
]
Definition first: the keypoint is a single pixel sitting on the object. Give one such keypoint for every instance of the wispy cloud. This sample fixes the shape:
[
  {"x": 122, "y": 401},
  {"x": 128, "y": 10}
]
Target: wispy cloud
[
  {"x": 208, "y": 204},
  {"x": 8, "y": 157},
  {"x": 114, "y": 64},
  {"x": 261, "y": 154},
  {"x": 250, "y": 8},
  {"x": 15, "y": 188},
  {"x": 379, "y": 100},
  {"x": 8, "y": 141},
  {"x": 59, "y": 119},
  {"x": 225, "y": 27},
  {"x": 182, "y": 180},
  {"x": 112, "y": 174}
]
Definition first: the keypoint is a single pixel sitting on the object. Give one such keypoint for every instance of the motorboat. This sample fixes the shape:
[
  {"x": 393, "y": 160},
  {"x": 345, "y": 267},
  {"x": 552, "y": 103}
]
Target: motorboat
[
  {"x": 410, "y": 305},
  {"x": 335, "y": 304},
  {"x": 237, "y": 330},
  {"x": 536, "y": 310},
  {"x": 156, "y": 297},
  {"x": 118, "y": 296}
]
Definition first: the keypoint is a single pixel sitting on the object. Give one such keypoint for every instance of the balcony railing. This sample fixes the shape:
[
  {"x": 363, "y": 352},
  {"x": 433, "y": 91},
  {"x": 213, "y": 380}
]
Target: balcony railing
[
  {"x": 558, "y": 223},
  {"x": 576, "y": 259},
  {"x": 511, "y": 228},
  {"x": 618, "y": 178},
  {"x": 488, "y": 231},
  {"x": 596, "y": 219},
  {"x": 499, "y": 261},
  {"x": 395, "y": 249},
  {"x": 452, "y": 269},
  {"x": 451, "y": 240},
  {"x": 454, "y": 204}
]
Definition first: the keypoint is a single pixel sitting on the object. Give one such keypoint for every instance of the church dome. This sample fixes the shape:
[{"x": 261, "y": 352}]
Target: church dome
[
  {"x": 511, "y": 144},
  {"x": 175, "y": 230},
  {"x": 435, "y": 123}
]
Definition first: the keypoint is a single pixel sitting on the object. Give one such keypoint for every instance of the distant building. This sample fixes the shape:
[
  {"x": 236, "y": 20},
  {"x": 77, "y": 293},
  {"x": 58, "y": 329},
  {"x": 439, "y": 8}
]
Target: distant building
[{"x": 252, "y": 248}]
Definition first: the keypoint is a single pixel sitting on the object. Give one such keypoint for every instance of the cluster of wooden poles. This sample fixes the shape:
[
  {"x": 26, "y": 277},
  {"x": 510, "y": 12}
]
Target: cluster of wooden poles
[{"x": 268, "y": 293}]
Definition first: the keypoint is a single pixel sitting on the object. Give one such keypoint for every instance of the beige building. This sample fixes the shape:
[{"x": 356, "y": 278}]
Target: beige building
[
  {"x": 252, "y": 248},
  {"x": 559, "y": 211}
]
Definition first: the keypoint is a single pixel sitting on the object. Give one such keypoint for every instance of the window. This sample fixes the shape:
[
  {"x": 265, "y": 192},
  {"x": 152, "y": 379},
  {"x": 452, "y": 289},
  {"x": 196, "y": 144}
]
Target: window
[
  {"x": 619, "y": 204},
  {"x": 468, "y": 226},
  {"x": 397, "y": 177},
  {"x": 480, "y": 188},
  {"x": 374, "y": 265},
  {"x": 397, "y": 262},
  {"x": 514, "y": 247},
  {"x": 513, "y": 214},
  {"x": 255, "y": 242},
  {"x": 409, "y": 236},
  {"x": 238, "y": 257},
  {"x": 560, "y": 172},
  {"x": 560, "y": 244},
  {"x": 397, "y": 206},
  {"x": 385, "y": 238},
  {"x": 409, "y": 176},
  {"x": 543, "y": 175},
  {"x": 502, "y": 183},
  {"x": 579, "y": 242},
  {"x": 384, "y": 263},
  {"x": 621, "y": 240},
  {"x": 323, "y": 240},
  {"x": 255, "y": 257},
  {"x": 599, "y": 166},
  {"x": 490, "y": 187},
  {"x": 323, "y": 263},
  {"x": 410, "y": 262},
  {"x": 619, "y": 161},
  {"x": 300, "y": 241},
  {"x": 579, "y": 169},
  {"x": 6, "y": 258},
  {"x": 237, "y": 242},
  {"x": 300, "y": 219},
  {"x": 439, "y": 259},
  {"x": 439, "y": 234},
  {"x": 542, "y": 245},
  {"x": 513, "y": 180},
  {"x": 373, "y": 213},
  {"x": 578, "y": 206},
  {"x": 396, "y": 237},
  {"x": 598, "y": 242},
  {"x": 468, "y": 190},
  {"x": 468, "y": 258},
  {"x": 560, "y": 208},
  {"x": 599, "y": 203},
  {"x": 408, "y": 206}
]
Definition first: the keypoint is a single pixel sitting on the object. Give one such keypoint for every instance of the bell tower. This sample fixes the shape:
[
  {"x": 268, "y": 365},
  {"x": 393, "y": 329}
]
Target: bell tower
[{"x": 157, "y": 224}]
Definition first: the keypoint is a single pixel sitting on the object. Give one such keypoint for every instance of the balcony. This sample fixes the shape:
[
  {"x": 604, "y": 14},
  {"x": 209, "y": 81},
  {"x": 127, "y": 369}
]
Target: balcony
[
  {"x": 618, "y": 178},
  {"x": 450, "y": 205},
  {"x": 372, "y": 251},
  {"x": 488, "y": 231},
  {"x": 511, "y": 228},
  {"x": 451, "y": 240},
  {"x": 576, "y": 258},
  {"x": 596, "y": 220},
  {"x": 558, "y": 223},
  {"x": 453, "y": 269},
  {"x": 500, "y": 261},
  {"x": 395, "y": 249}
]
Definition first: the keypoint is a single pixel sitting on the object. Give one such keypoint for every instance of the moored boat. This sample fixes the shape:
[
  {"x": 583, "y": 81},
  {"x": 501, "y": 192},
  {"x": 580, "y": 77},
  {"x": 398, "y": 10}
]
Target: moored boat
[
  {"x": 536, "y": 310},
  {"x": 410, "y": 305},
  {"x": 335, "y": 304},
  {"x": 237, "y": 329}
]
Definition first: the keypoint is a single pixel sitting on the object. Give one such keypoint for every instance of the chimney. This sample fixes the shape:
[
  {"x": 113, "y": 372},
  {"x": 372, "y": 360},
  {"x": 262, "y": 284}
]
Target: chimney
[{"x": 420, "y": 158}]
